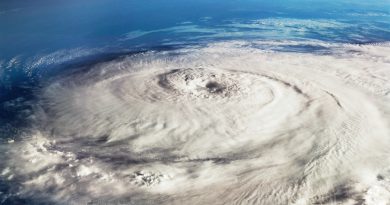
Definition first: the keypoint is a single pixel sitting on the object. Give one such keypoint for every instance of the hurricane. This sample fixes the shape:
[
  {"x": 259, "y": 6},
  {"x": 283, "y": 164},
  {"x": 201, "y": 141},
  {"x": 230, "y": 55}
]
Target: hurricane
[{"x": 233, "y": 120}]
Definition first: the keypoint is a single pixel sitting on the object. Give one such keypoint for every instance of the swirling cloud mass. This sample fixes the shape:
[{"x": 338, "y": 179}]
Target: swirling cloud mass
[{"x": 224, "y": 123}]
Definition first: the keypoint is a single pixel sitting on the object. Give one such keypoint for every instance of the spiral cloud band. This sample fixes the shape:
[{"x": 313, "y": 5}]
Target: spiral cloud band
[{"x": 225, "y": 123}]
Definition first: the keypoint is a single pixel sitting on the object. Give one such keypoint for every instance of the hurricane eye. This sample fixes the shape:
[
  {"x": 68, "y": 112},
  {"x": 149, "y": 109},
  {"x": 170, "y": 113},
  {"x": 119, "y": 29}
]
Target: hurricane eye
[{"x": 214, "y": 87}]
